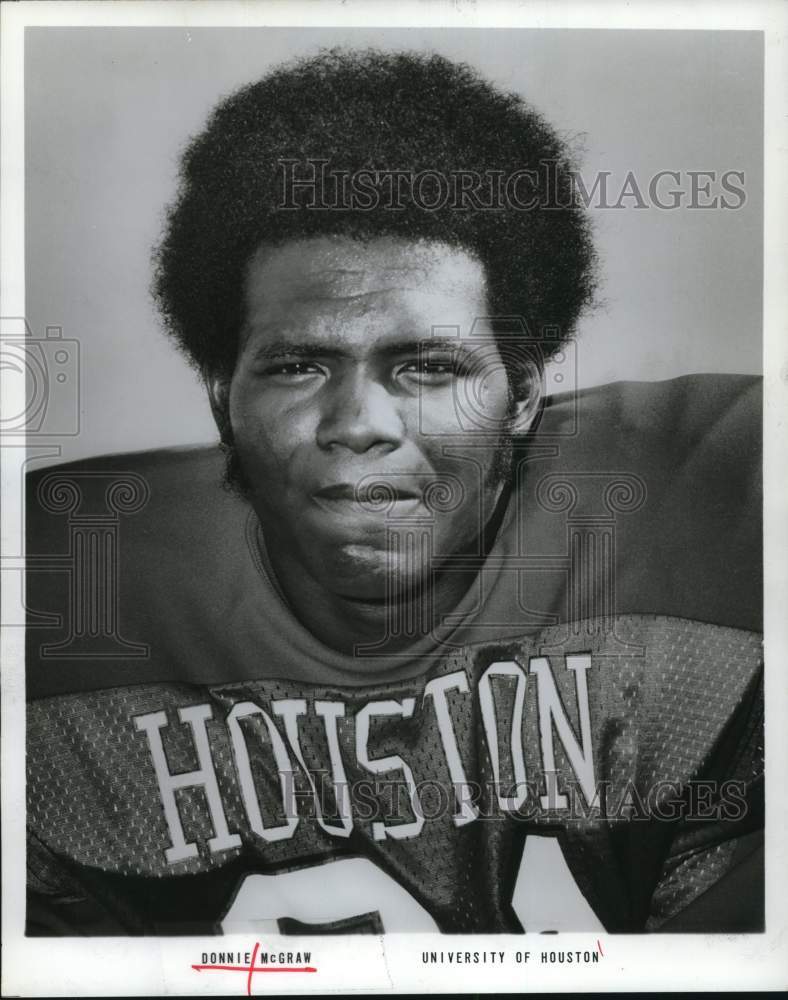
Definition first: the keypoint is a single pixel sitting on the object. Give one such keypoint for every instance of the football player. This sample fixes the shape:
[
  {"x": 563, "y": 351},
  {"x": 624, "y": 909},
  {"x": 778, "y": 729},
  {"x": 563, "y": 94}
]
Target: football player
[{"x": 450, "y": 652}]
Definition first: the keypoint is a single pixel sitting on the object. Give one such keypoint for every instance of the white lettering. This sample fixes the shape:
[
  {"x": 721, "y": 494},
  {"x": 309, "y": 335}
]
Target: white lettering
[
  {"x": 196, "y": 716},
  {"x": 243, "y": 710},
  {"x": 330, "y": 711},
  {"x": 436, "y": 689},
  {"x": 487, "y": 703},
  {"x": 552, "y": 713},
  {"x": 404, "y": 709}
]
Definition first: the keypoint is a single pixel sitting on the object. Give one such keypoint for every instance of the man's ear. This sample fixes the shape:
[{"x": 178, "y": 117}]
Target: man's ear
[
  {"x": 528, "y": 382},
  {"x": 218, "y": 386}
]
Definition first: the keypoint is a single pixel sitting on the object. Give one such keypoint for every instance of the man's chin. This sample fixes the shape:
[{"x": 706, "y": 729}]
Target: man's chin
[{"x": 368, "y": 574}]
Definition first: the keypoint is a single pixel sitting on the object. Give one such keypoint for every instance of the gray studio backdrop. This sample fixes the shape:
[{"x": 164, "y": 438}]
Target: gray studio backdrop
[{"x": 109, "y": 109}]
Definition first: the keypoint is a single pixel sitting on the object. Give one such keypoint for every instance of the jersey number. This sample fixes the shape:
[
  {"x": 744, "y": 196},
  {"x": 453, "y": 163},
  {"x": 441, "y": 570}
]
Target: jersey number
[{"x": 348, "y": 892}]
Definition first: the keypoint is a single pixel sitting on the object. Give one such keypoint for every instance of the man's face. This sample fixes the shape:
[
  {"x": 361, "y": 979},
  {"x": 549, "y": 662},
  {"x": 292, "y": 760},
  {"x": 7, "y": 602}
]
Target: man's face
[{"x": 349, "y": 409}]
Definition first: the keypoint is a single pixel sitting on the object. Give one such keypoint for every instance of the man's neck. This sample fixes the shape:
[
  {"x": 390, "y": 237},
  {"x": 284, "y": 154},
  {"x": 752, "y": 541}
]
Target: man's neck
[{"x": 387, "y": 624}]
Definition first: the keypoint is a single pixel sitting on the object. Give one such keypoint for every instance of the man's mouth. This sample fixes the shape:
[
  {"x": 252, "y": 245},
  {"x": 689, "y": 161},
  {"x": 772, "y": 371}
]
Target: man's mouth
[
  {"x": 368, "y": 502},
  {"x": 373, "y": 494}
]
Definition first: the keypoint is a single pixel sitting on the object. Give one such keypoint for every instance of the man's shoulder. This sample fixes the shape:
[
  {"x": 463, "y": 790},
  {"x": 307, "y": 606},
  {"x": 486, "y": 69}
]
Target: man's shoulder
[
  {"x": 167, "y": 509},
  {"x": 135, "y": 562},
  {"x": 176, "y": 490},
  {"x": 670, "y": 470},
  {"x": 687, "y": 434},
  {"x": 164, "y": 467},
  {"x": 689, "y": 409}
]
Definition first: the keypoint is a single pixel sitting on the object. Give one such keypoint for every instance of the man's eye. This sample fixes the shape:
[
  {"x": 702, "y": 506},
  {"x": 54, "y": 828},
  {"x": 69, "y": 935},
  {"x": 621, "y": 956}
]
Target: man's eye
[{"x": 293, "y": 369}]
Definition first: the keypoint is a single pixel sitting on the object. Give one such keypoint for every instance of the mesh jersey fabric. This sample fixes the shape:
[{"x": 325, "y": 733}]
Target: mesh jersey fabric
[{"x": 629, "y": 553}]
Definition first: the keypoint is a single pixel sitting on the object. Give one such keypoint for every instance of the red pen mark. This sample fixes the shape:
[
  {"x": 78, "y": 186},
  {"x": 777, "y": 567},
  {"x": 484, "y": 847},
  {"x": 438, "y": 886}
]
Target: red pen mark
[
  {"x": 251, "y": 966},
  {"x": 251, "y": 969},
  {"x": 599, "y": 945}
]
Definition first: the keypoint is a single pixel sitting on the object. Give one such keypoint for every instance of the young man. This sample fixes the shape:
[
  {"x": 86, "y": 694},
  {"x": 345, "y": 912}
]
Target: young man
[{"x": 448, "y": 654}]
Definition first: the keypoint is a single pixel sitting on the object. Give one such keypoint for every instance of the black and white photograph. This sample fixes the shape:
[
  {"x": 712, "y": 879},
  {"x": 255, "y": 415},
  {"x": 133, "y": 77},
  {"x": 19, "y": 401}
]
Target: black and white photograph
[{"x": 384, "y": 566}]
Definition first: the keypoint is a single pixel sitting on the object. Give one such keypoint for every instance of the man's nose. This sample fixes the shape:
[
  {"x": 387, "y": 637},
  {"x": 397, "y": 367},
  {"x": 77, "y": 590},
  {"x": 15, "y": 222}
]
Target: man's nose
[{"x": 359, "y": 414}]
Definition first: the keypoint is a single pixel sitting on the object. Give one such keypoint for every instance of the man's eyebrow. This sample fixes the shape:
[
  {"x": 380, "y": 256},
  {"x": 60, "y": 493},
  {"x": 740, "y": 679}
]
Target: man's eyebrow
[
  {"x": 416, "y": 344},
  {"x": 315, "y": 349},
  {"x": 306, "y": 349}
]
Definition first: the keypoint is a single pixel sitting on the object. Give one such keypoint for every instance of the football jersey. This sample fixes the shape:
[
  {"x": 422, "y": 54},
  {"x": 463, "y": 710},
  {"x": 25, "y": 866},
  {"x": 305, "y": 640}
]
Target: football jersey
[{"x": 583, "y": 732}]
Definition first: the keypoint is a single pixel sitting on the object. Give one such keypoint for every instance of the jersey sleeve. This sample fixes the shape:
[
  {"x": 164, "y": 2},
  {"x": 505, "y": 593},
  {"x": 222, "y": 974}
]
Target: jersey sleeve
[
  {"x": 713, "y": 876},
  {"x": 59, "y": 903}
]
